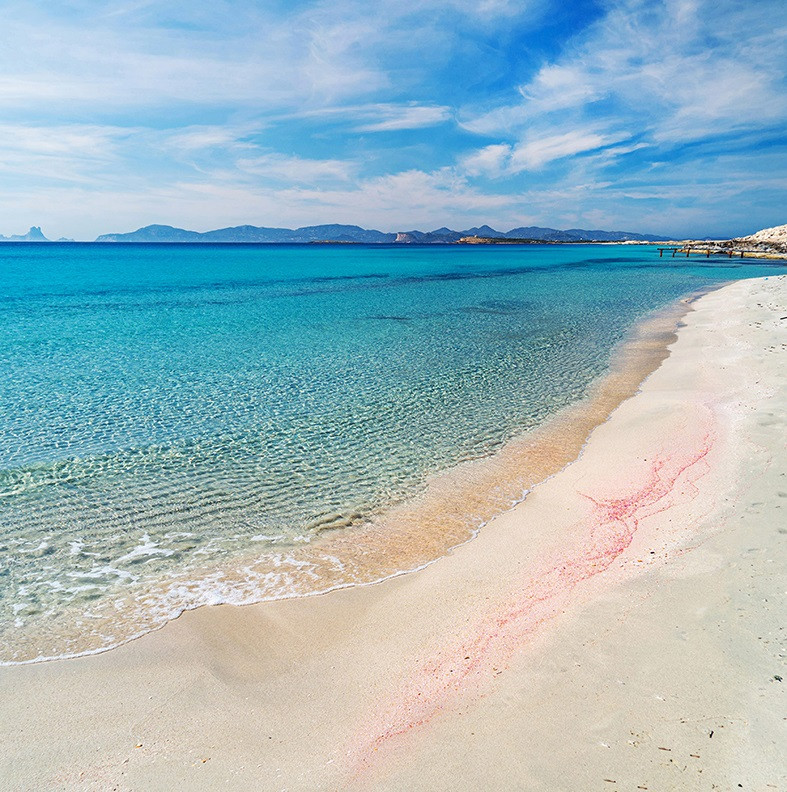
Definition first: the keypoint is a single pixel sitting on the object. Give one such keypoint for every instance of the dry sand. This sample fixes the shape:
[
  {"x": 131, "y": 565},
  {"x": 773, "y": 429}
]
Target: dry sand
[{"x": 616, "y": 631}]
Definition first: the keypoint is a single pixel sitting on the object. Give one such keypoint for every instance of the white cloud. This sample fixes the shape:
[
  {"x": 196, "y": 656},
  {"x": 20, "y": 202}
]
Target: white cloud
[
  {"x": 400, "y": 199},
  {"x": 603, "y": 128},
  {"x": 397, "y": 117},
  {"x": 76, "y": 139},
  {"x": 489, "y": 161},
  {"x": 212, "y": 114},
  {"x": 67, "y": 152},
  {"x": 127, "y": 59},
  {"x": 539, "y": 151},
  {"x": 535, "y": 151},
  {"x": 296, "y": 170},
  {"x": 270, "y": 55},
  {"x": 717, "y": 203},
  {"x": 677, "y": 70},
  {"x": 373, "y": 116},
  {"x": 396, "y": 201},
  {"x": 195, "y": 138},
  {"x": 557, "y": 86}
]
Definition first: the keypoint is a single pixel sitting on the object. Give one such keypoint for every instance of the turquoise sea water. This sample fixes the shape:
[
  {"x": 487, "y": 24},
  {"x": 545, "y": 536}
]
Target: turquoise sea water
[{"x": 176, "y": 420}]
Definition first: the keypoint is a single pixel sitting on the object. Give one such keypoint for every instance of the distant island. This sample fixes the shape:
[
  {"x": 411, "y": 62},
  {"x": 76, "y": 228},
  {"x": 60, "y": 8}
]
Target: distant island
[
  {"x": 769, "y": 241},
  {"x": 33, "y": 235},
  {"x": 353, "y": 233}
]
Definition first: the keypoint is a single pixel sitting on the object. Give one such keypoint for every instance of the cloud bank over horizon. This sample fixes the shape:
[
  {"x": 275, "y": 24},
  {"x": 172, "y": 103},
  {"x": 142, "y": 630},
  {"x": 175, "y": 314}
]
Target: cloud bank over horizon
[{"x": 664, "y": 117}]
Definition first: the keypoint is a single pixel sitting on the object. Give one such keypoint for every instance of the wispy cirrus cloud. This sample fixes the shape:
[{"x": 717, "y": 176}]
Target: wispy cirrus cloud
[
  {"x": 64, "y": 152},
  {"x": 208, "y": 137},
  {"x": 296, "y": 170},
  {"x": 646, "y": 88},
  {"x": 535, "y": 151},
  {"x": 228, "y": 51},
  {"x": 373, "y": 116},
  {"x": 673, "y": 67},
  {"x": 208, "y": 54},
  {"x": 392, "y": 118}
]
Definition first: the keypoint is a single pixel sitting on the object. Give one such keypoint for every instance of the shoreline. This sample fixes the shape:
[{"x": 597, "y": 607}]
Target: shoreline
[
  {"x": 592, "y": 637},
  {"x": 453, "y": 506},
  {"x": 719, "y": 248}
]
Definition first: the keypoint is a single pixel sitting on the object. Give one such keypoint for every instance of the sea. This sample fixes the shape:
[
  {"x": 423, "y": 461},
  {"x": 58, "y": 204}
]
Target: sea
[{"x": 186, "y": 425}]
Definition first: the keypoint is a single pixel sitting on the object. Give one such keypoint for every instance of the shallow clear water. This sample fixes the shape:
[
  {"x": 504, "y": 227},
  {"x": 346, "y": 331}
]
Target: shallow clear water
[{"x": 171, "y": 411}]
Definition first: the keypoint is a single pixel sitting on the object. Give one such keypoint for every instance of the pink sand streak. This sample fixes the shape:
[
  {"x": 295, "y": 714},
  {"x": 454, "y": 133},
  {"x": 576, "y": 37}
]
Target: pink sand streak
[{"x": 480, "y": 656}]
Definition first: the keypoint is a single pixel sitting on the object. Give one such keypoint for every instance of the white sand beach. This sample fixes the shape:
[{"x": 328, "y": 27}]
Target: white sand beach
[{"x": 618, "y": 630}]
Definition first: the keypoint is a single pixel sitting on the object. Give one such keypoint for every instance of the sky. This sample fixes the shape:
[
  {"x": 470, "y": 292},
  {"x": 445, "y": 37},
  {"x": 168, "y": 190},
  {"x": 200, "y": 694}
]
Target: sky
[{"x": 668, "y": 117}]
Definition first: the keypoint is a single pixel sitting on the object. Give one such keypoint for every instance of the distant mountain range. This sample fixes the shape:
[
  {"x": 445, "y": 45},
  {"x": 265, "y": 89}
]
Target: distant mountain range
[
  {"x": 352, "y": 233},
  {"x": 248, "y": 233},
  {"x": 348, "y": 233}
]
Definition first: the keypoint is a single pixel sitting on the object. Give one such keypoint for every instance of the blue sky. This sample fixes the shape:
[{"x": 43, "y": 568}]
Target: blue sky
[{"x": 668, "y": 117}]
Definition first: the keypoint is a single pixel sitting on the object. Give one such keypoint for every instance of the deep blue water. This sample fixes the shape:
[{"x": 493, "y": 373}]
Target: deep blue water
[{"x": 166, "y": 409}]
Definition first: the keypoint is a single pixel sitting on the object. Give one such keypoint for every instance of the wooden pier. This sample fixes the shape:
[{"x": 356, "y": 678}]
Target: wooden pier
[{"x": 699, "y": 251}]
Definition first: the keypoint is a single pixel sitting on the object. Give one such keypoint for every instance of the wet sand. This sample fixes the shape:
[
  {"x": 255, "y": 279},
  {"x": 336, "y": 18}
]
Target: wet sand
[{"x": 616, "y": 630}]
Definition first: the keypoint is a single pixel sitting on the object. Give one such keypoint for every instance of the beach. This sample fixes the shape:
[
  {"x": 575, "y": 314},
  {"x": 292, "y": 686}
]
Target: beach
[
  {"x": 616, "y": 630},
  {"x": 292, "y": 420}
]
